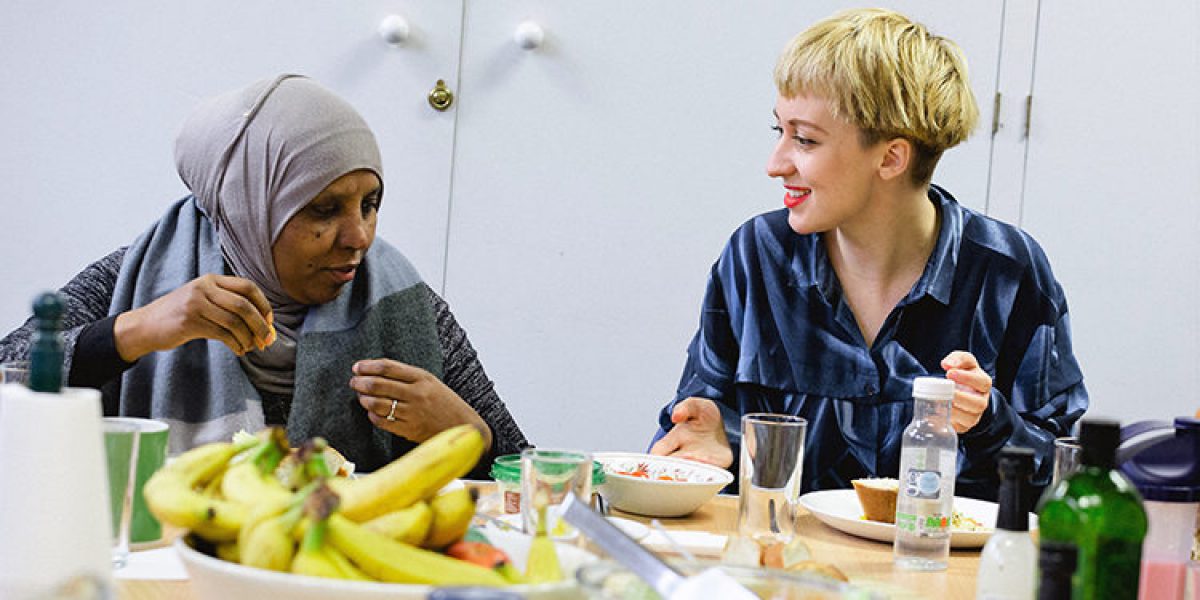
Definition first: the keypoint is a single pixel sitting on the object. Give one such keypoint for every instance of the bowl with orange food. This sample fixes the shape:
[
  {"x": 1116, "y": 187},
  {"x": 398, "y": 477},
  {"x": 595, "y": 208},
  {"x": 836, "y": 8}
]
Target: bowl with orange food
[{"x": 658, "y": 486}]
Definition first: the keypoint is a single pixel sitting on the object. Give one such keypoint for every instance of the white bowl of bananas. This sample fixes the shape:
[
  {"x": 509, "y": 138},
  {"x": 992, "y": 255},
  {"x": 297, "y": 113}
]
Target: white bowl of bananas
[{"x": 400, "y": 532}]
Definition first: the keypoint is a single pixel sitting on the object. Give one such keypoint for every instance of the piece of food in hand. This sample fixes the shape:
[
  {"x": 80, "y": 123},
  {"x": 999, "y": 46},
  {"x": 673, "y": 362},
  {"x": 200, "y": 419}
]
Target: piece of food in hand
[
  {"x": 877, "y": 497},
  {"x": 819, "y": 568}
]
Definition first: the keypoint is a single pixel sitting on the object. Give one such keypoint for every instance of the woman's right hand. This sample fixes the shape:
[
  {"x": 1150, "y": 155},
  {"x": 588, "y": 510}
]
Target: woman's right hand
[
  {"x": 698, "y": 434},
  {"x": 229, "y": 309}
]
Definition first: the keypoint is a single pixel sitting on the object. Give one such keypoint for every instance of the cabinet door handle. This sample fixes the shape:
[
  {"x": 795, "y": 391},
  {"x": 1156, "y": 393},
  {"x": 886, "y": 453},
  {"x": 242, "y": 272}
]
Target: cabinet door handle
[
  {"x": 440, "y": 97},
  {"x": 394, "y": 30},
  {"x": 529, "y": 35}
]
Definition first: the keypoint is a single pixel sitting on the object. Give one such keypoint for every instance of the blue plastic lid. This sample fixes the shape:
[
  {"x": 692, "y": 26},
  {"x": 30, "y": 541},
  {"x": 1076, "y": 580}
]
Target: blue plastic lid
[{"x": 1166, "y": 468}]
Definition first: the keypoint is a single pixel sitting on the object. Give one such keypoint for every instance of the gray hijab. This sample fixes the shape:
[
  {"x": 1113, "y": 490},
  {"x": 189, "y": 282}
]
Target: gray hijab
[{"x": 254, "y": 157}]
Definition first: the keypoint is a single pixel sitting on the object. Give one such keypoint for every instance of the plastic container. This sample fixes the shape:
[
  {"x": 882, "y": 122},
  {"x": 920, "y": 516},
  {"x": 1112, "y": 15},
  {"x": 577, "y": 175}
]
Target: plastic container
[
  {"x": 1164, "y": 463},
  {"x": 506, "y": 470}
]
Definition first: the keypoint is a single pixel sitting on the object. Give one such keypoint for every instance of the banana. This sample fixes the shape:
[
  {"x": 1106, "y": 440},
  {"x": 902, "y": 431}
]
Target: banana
[
  {"x": 392, "y": 561},
  {"x": 316, "y": 557},
  {"x": 409, "y": 525},
  {"x": 452, "y": 514},
  {"x": 229, "y": 551},
  {"x": 172, "y": 496},
  {"x": 316, "y": 563},
  {"x": 250, "y": 481},
  {"x": 348, "y": 570},
  {"x": 269, "y": 545},
  {"x": 414, "y": 476}
]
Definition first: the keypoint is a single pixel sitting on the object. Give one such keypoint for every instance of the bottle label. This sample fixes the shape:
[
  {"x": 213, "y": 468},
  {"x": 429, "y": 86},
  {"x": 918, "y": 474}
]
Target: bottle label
[
  {"x": 923, "y": 484},
  {"x": 934, "y": 525}
]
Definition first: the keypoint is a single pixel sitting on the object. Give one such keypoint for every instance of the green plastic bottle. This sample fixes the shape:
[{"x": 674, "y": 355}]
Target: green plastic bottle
[
  {"x": 46, "y": 348},
  {"x": 1101, "y": 513}
]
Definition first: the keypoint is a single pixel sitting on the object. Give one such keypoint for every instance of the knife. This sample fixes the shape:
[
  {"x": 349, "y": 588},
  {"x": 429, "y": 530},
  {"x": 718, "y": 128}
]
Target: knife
[{"x": 668, "y": 582}]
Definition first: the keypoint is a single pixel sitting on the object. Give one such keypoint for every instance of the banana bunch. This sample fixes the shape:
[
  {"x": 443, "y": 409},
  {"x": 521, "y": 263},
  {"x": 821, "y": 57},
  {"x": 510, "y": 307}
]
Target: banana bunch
[{"x": 391, "y": 525}]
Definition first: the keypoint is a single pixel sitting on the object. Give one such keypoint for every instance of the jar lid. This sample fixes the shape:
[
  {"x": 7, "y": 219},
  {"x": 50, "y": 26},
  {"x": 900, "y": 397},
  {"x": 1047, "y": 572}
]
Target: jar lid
[
  {"x": 1167, "y": 470},
  {"x": 507, "y": 468},
  {"x": 934, "y": 388}
]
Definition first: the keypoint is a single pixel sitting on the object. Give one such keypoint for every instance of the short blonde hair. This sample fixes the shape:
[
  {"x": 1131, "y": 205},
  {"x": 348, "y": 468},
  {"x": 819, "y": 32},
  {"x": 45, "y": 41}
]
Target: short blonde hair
[{"x": 887, "y": 75}]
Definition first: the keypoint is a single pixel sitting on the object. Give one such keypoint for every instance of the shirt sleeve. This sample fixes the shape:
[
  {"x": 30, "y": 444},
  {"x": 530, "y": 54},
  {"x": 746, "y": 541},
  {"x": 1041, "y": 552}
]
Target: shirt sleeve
[
  {"x": 465, "y": 375},
  {"x": 1047, "y": 397},
  {"x": 88, "y": 296}
]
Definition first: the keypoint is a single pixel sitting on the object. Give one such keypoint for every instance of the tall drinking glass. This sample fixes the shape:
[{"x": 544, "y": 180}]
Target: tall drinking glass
[
  {"x": 1067, "y": 453},
  {"x": 121, "y": 441},
  {"x": 772, "y": 460},
  {"x": 546, "y": 477},
  {"x": 14, "y": 372}
]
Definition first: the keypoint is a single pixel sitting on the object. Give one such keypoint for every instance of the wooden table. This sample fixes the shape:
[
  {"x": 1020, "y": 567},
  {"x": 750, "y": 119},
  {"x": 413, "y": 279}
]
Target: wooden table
[{"x": 865, "y": 562}]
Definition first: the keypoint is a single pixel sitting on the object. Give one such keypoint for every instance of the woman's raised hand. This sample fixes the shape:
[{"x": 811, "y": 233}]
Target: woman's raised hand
[
  {"x": 698, "y": 434},
  {"x": 974, "y": 389},
  {"x": 228, "y": 309},
  {"x": 419, "y": 405}
]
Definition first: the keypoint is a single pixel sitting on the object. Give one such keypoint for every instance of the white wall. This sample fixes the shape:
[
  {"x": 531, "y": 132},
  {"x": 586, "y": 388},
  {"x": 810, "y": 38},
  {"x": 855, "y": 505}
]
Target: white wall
[{"x": 1108, "y": 180}]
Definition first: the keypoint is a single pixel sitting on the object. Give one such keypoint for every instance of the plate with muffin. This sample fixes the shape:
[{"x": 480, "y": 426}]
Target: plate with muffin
[{"x": 869, "y": 511}]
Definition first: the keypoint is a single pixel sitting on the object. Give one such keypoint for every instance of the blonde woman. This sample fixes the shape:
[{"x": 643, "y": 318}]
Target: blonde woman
[{"x": 870, "y": 276}]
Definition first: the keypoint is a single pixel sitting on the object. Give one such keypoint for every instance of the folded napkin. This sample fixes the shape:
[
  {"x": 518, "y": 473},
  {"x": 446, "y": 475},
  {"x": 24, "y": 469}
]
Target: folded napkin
[{"x": 700, "y": 543}]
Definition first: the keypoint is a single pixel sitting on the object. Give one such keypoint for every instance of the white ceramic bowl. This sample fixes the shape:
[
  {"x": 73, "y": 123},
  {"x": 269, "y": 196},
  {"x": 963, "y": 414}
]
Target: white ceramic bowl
[
  {"x": 691, "y": 485},
  {"x": 216, "y": 579}
]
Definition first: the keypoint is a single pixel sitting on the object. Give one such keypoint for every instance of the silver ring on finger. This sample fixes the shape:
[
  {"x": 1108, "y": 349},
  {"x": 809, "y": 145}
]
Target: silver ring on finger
[{"x": 391, "y": 416}]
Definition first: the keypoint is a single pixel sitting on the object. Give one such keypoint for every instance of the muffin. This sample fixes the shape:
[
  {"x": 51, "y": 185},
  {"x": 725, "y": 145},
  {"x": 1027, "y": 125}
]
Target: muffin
[{"x": 878, "y": 498}]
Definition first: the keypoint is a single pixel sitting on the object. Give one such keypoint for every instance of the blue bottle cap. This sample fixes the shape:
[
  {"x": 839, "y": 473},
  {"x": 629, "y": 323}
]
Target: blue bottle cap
[{"x": 1169, "y": 470}]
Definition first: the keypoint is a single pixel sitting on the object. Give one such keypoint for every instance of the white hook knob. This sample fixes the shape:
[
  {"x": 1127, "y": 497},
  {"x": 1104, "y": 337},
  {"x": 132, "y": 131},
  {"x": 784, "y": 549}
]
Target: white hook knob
[
  {"x": 394, "y": 30},
  {"x": 529, "y": 35}
]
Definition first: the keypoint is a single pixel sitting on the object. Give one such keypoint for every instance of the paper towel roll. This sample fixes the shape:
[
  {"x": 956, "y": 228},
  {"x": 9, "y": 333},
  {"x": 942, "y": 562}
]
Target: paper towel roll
[{"x": 55, "y": 523}]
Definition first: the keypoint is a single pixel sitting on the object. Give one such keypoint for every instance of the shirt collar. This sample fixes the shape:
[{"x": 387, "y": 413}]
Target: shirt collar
[{"x": 937, "y": 280}]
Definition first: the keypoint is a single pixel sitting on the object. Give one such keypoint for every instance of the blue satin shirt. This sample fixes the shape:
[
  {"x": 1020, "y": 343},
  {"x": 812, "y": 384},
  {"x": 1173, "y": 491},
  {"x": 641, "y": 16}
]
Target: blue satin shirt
[{"x": 776, "y": 335}]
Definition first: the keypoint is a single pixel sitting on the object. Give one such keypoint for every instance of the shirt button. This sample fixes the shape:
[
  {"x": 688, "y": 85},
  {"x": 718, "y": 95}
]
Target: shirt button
[{"x": 870, "y": 390}]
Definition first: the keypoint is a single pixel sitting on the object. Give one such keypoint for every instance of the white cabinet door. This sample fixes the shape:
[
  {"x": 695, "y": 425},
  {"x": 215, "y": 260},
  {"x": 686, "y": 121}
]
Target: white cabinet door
[
  {"x": 1112, "y": 192},
  {"x": 598, "y": 176},
  {"x": 94, "y": 94}
]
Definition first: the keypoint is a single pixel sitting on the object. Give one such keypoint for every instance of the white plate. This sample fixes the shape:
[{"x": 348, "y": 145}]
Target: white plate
[
  {"x": 840, "y": 509},
  {"x": 631, "y": 528}
]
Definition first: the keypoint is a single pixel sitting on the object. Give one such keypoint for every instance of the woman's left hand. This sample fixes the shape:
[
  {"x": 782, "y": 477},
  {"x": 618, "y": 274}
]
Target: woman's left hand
[
  {"x": 974, "y": 389},
  {"x": 419, "y": 403}
]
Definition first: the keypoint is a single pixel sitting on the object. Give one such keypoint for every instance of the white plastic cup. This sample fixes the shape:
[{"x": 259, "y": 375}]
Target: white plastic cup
[{"x": 1167, "y": 549}]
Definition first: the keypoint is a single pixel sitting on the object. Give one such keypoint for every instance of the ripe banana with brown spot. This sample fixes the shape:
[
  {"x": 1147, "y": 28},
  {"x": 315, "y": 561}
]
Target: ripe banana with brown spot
[
  {"x": 452, "y": 514},
  {"x": 415, "y": 476},
  {"x": 250, "y": 479},
  {"x": 173, "y": 496},
  {"x": 409, "y": 525},
  {"x": 389, "y": 560},
  {"x": 269, "y": 545}
]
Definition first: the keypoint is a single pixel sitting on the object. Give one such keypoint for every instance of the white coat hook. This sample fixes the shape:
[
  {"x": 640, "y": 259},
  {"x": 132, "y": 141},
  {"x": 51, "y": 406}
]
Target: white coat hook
[
  {"x": 529, "y": 35},
  {"x": 394, "y": 30}
]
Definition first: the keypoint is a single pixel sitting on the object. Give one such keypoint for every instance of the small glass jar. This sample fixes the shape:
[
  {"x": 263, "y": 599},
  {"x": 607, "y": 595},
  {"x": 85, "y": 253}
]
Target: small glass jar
[{"x": 506, "y": 470}]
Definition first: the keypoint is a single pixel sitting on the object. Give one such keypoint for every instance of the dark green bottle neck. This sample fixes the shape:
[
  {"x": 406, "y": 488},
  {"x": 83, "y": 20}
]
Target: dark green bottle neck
[{"x": 1100, "y": 457}]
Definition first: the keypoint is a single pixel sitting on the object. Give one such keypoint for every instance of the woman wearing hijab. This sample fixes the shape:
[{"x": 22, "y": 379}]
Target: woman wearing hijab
[{"x": 264, "y": 297}]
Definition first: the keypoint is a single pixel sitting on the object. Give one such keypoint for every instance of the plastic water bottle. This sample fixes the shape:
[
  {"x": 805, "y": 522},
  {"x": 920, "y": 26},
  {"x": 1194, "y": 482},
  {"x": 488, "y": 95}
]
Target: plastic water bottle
[{"x": 928, "y": 465}]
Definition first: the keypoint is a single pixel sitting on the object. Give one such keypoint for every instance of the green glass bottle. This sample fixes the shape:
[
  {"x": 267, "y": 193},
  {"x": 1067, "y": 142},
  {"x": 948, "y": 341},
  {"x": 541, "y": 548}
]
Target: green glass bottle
[
  {"x": 46, "y": 348},
  {"x": 1101, "y": 513}
]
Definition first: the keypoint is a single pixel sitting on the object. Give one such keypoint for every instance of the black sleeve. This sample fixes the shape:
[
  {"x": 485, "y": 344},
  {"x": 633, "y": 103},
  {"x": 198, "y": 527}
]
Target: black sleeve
[
  {"x": 96, "y": 359},
  {"x": 88, "y": 296},
  {"x": 465, "y": 375}
]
